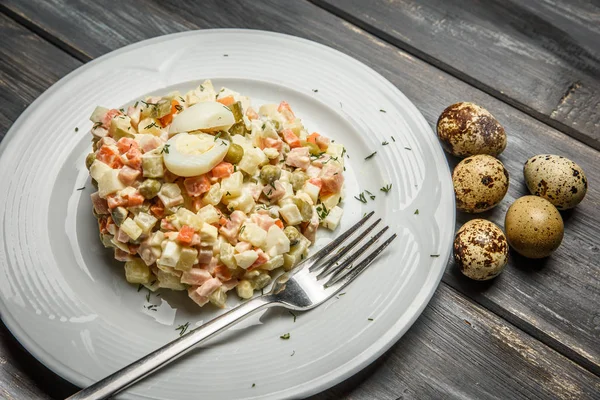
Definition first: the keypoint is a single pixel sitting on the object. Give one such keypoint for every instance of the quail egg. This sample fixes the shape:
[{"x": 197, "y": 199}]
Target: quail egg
[
  {"x": 557, "y": 179},
  {"x": 466, "y": 129},
  {"x": 534, "y": 227},
  {"x": 480, "y": 249},
  {"x": 480, "y": 183}
]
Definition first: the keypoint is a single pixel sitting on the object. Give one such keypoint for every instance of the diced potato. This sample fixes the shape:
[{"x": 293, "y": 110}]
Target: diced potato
[
  {"x": 131, "y": 229},
  {"x": 150, "y": 126},
  {"x": 109, "y": 183},
  {"x": 273, "y": 263},
  {"x": 187, "y": 217},
  {"x": 145, "y": 221},
  {"x": 121, "y": 127},
  {"x": 170, "y": 254},
  {"x": 157, "y": 238},
  {"x": 331, "y": 200},
  {"x": 244, "y": 289},
  {"x": 290, "y": 214},
  {"x": 277, "y": 242},
  {"x": 187, "y": 259},
  {"x": 98, "y": 114},
  {"x": 253, "y": 234},
  {"x": 246, "y": 258},
  {"x": 209, "y": 214},
  {"x": 170, "y": 195},
  {"x": 169, "y": 281},
  {"x": 226, "y": 255},
  {"x": 332, "y": 219},
  {"x": 214, "y": 195},
  {"x": 218, "y": 297},
  {"x": 296, "y": 126},
  {"x": 289, "y": 189},
  {"x": 152, "y": 165},
  {"x": 136, "y": 271},
  {"x": 97, "y": 169},
  {"x": 204, "y": 92},
  {"x": 312, "y": 191},
  {"x": 252, "y": 159},
  {"x": 208, "y": 233},
  {"x": 336, "y": 150},
  {"x": 244, "y": 203},
  {"x": 152, "y": 286},
  {"x": 232, "y": 185},
  {"x": 271, "y": 153}
]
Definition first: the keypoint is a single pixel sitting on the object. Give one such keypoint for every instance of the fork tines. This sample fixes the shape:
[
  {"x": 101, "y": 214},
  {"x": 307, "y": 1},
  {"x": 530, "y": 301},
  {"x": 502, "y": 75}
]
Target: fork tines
[{"x": 341, "y": 269}]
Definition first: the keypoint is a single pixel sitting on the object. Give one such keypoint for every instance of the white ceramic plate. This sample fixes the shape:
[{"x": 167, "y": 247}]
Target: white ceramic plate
[{"x": 67, "y": 301}]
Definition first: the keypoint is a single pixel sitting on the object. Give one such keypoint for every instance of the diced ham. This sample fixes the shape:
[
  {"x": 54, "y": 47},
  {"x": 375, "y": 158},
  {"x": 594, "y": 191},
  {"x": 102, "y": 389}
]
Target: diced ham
[
  {"x": 299, "y": 158},
  {"x": 107, "y": 140},
  {"x": 254, "y": 189},
  {"x": 128, "y": 175},
  {"x": 125, "y": 144},
  {"x": 197, "y": 185},
  {"x": 230, "y": 284},
  {"x": 322, "y": 160},
  {"x": 147, "y": 253},
  {"x": 195, "y": 276},
  {"x": 108, "y": 117},
  {"x": 195, "y": 240},
  {"x": 114, "y": 200},
  {"x": 274, "y": 193},
  {"x": 208, "y": 287},
  {"x": 198, "y": 299},
  {"x": 262, "y": 258},
  {"x": 322, "y": 142},
  {"x": 134, "y": 115},
  {"x": 100, "y": 204},
  {"x": 251, "y": 114},
  {"x": 122, "y": 236},
  {"x": 241, "y": 247},
  {"x": 285, "y": 109},
  {"x": 332, "y": 178},
  {"x": 205, "y": 255},
  {"x": 222, "y": 170},
  {"x": 149, "y": 143},
  {"x": 311, "y": 229},
  {"x": 121, "y": 255},
  {"x": 313, "y": 172},
  {"x": 276, "y": 144},
  {"x": 165, "y": 225},
  {"x": 232, "y": 227},
  {"x": 263, "y": 221},
  {"x": 133, "y": 248}
]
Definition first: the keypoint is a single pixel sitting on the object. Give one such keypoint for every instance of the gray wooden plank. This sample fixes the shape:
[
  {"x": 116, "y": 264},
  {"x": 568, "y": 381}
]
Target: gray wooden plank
[
  {"x": 554, "y": 300},
  {"x": 541, "y": 56}
]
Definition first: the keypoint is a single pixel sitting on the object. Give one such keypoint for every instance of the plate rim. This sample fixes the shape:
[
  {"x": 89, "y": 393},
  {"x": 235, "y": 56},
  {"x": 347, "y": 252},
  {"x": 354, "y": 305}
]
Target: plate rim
[{"x": 358, "y": 363}]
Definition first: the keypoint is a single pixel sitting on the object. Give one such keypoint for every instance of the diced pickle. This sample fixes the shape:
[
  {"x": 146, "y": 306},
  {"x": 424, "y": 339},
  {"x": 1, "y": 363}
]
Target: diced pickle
[
  {"x": 297, "y": 180},
  {"x": 156, "y": 110},
  {"x": 89, "y": 160},
  {"x": 239, "y": 128},
  {"x": 119, "y": 214},
  {"x": 269, "y": 174},
  {"x": 305, "y": 208},
  {"x": 276, "y": 124},
  {"x": 237, "y": 111},
  {"x": 149, "y": 188},
  {"x": 292, "y": 234},
  {"x": 234, "y": 154}
]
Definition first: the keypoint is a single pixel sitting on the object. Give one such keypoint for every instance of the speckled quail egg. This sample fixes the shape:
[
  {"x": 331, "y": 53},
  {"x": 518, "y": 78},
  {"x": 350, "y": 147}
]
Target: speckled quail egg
[
  {"x": 480, "y": 249},
  {"x": 557, "y": 179},
  {"x": 534, "y": 227},
  {"x": 480, "y": 183},
  {"x": 465, "y": 129}
]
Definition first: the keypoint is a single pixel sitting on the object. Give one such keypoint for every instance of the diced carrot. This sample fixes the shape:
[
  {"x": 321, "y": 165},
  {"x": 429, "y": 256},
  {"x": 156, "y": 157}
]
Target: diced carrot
[
  {"x": 222, "y": 221},
  {"x": 186, "y": 234},
  {"x": 133, "y": 248},
  {"x": 110, "y": 156},
  {"x": 227, "y": 100},
  {"x": 279, "y": 223},
  {"x": 222, "y": 170},
  {"x": 115, "y": 200},
  {"x": 125, "y": 144},
  {"x": 135, "y": 199},
  {"x": 102, "y": 225},
  {"x": 312, "y": 138},
  {"x": 197, "y": 185},
  {"x": 134, "y": 158},
  {"x": 158, "y": 208},
  {"x": 222, "y": 272},
  {"x": 317, "y": 182},
  {"x": 285, "y": 109},
  {"x": 290, "y": 138},
  {"x": 251, "y": 114}
]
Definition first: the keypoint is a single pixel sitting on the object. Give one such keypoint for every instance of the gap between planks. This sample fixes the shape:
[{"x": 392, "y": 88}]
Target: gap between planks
[{"x": 437, "y": 63}]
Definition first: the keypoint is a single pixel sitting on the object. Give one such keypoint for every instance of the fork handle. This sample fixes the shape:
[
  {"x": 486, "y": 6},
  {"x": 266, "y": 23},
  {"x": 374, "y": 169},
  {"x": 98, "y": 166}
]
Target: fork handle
[{"x": 137, "y": 370}]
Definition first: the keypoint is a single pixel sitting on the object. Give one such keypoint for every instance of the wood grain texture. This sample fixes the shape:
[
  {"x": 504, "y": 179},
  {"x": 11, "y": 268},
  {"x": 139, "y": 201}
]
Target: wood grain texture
[
  {"x": 542, "y": 56},
  {"x": 554, "y": 300}
]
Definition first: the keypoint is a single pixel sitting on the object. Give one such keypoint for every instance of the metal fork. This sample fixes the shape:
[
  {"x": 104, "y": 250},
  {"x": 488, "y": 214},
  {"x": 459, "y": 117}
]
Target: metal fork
[{"x": 299, "y": 289}]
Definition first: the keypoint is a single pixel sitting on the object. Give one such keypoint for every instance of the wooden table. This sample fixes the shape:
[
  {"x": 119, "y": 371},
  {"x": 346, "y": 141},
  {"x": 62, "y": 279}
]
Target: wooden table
[{"x": 533, "y": 332}]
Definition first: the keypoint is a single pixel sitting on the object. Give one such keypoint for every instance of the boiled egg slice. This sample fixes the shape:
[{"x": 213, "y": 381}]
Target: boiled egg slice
[
  {"x": 208, "y": 116},
  {"x": 191, "y": 155}
]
